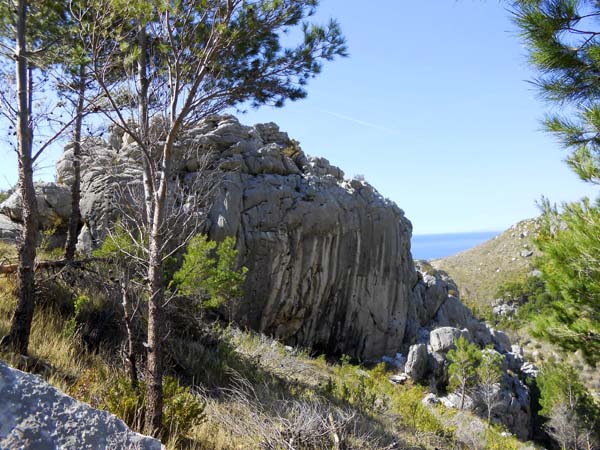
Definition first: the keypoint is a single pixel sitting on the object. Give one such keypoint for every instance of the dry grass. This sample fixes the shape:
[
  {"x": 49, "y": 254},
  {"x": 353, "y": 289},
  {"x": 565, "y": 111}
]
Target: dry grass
[
  {"x": 260, "y": 395},
  {"x": 481, "y": 270}
]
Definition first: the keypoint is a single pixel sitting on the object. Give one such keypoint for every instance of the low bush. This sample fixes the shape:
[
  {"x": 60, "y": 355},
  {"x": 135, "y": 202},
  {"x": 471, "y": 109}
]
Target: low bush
[{"x": 183, "y": 408}]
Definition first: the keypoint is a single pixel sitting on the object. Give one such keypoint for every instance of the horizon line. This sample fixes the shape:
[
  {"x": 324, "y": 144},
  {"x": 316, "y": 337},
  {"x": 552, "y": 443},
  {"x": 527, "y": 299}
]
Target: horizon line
[{"x": 457, "y": 232}]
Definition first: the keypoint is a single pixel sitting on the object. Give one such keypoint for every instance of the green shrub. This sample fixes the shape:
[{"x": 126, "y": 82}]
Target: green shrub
[
  {"x": 209, "y": 272},
  {"x": 464, "y": 360},
  {"x": 183, "y": 410},
  {"x": 495, "y": 440},
  {"x": 355, "y": 386}
]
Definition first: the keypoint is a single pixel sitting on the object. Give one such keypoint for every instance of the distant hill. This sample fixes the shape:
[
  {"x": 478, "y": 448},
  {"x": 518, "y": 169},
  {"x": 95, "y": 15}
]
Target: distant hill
[{"x": 480, "y": 270}]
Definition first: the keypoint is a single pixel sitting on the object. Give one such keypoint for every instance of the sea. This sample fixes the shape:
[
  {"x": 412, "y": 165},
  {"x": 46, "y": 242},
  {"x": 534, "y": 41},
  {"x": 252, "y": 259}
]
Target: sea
[{"x": 433, "y": 246}]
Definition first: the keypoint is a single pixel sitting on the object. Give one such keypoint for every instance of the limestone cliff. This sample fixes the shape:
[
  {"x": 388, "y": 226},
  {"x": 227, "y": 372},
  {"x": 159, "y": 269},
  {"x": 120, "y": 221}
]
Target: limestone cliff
[{"x": 329, "y": 258}]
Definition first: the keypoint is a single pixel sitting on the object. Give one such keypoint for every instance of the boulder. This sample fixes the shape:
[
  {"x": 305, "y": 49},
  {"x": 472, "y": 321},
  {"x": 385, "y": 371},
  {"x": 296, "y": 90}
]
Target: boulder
[
  {"x": 454, "y": 400},
  {"x": 9, "y": 230},
  {"x": 53, "y": 200},
  {"x": 513, "y": 407},
  {"x": 416, "y": 363},
  {"x": 437, "y": 367},
  {"x": 399, "y": 378},
  {"x": 442, "y": 339},
  {"x": 501, "y": 340},
  {"x": 35, "y": 415}
]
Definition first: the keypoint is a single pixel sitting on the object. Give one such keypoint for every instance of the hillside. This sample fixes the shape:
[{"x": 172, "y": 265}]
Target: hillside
[
  {"x": 242, "y": 390},
  {"x": 479, "y": 271}
]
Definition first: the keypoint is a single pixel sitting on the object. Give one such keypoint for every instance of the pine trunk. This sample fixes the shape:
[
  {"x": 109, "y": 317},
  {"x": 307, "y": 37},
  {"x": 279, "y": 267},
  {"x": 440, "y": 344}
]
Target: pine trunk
[
  {"x": 148, "y": 181},
  {"x": 155, "y": 334},
  {"x": 75, "y": 217},
  {"x": 20, "y": 330},
  {"x": 128, "y": 314},
  {"x": 156, "y": 301}
]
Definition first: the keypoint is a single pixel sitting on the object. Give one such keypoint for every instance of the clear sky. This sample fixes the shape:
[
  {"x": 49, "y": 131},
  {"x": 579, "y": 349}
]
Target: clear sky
[{"x": 433, "y": 108}]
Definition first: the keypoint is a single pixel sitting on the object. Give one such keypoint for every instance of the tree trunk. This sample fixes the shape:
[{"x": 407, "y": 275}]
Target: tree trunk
[
  {"x": 144, "y": 123},
  {"x": 155, "y": 334},
  {"x": 75, "y": 217},
  {"x": 128, "y": 314},
  {"x": 20, "y": 329},
  {"x": 156, "y": 301}
]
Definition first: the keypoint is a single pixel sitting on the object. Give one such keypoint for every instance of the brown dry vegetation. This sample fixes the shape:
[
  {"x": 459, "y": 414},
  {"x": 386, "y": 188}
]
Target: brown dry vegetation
[{"x": 247, "y": 391}]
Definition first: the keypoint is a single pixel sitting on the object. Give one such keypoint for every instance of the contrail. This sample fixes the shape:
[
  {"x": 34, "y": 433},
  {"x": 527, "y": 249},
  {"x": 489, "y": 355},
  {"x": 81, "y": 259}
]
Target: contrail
[{"x": 360, "y": 122}]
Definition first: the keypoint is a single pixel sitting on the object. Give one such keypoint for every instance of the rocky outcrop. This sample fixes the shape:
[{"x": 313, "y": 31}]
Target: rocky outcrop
[
  {"x": 329, "y": 258},
  {"x": 447, "y": 320},
  {"x": 416, "y": 362},
  {"x": 34, "y": 415},
  {"x": 54, "y": 205}
]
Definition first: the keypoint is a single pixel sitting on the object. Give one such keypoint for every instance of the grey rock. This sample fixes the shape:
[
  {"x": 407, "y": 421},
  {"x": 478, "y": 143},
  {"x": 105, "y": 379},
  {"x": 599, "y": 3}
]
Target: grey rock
[
  {"x": 35, "y": 415},
  {"x": 515, "y": 361},
  {"x": 430, "y": 400},
  {"x": 443, "y": 339},
  {"x": 54, "y": 203},
  {"x": 505, "y": 310},
  {"x": 416, "y": 363},
  {"x": 453, "y": 313},
  {"x": 437, "y": 367},
  {"x": 513, "y": 408},
  {"x": 399, "y": 378},
  {"x": 453, "y": 400},
  {"x": 501, "y": 340},
  {"x": 431, "y": 292},
  {"x": 329, "y": 259},
  {"x": 527, "y": 253},
  {"x": 9, "y": 230},
  {"x": 529, "y": 369}
]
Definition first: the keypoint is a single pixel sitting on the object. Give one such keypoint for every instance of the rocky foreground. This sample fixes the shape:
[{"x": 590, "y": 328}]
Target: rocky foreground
[{"x": 34, "y": 415}]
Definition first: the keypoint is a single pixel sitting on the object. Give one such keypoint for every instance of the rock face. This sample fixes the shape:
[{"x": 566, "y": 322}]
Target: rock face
[
  {"x": 447, "y": 319},
  {"x": 54, "y": 205},
  {"x": 329, "y": 258},
  {"x": 34, "y": 415}
]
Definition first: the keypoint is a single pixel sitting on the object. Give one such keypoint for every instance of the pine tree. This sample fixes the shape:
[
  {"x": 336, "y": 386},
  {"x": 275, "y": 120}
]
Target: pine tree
[
  {"x": 563, "y": 37},
  {"x": 573, "y": 416},
  {"x": 464, "y": 360},
  {"x": 185, "y": 60},
  {"x": 489, "y": 374},
  {"x": 28, "y": 32}
]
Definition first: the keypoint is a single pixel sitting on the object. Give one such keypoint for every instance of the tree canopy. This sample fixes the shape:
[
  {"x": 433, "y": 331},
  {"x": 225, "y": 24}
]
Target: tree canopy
[{"x": 563, "y": 37}]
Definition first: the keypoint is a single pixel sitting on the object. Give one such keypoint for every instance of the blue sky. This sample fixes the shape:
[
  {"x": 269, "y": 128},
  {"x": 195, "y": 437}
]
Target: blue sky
[{"x": 433, "y": 108}]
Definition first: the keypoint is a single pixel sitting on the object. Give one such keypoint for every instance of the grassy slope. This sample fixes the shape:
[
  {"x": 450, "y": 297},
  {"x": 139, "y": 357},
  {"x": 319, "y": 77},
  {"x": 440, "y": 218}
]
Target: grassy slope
[
  {"x": 256, "y": 391},
  {"x": 480, "y": 270}
]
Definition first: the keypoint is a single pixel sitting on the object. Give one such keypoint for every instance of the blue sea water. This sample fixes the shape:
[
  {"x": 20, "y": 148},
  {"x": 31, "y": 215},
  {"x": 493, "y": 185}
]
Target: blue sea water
[{"x": 432, "y": 246}]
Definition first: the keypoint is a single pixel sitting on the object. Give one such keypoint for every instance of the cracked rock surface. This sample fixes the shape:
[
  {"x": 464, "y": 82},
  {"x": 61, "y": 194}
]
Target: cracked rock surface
[{"x": 37, "y": 416}]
